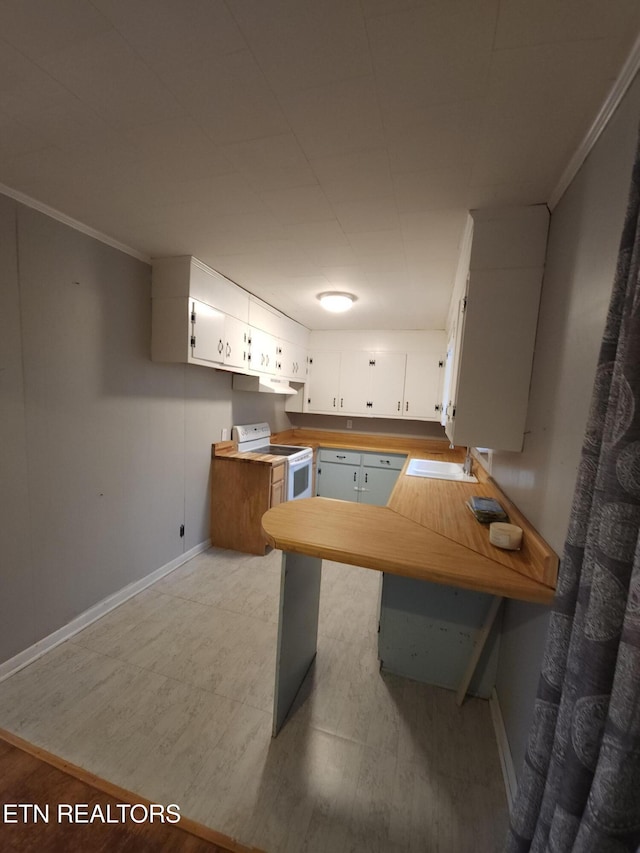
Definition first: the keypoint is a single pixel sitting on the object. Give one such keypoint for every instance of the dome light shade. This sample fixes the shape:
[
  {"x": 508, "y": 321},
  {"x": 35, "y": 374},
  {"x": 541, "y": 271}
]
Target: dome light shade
[{"x": 336, "y": 301}]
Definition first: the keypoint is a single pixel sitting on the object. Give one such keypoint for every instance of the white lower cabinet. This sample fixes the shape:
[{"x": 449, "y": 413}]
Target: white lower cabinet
[{"x": 366, "y": 478}]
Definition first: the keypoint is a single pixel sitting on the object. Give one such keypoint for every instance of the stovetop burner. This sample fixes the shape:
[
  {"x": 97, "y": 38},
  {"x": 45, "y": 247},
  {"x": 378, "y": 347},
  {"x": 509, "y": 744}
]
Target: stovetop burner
[{"x": 278, "y": 449}]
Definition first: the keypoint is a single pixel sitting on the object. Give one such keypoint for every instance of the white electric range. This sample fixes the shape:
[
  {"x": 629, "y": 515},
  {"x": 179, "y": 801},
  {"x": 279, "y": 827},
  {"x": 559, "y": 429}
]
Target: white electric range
[{"x": 256, "y": 438}]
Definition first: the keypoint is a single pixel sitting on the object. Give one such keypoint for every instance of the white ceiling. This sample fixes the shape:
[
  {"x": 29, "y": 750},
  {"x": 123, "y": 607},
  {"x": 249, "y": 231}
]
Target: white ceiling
[{"x": 303, "y": 145}]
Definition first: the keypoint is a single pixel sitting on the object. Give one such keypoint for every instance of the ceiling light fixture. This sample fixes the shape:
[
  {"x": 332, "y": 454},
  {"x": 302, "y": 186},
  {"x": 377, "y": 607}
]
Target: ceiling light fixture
[{"x": 334, "y": 300}]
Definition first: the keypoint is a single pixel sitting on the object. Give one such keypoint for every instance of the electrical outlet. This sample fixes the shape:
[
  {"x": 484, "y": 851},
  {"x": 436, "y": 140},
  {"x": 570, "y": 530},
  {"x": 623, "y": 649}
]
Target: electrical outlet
[
  {"x": 224, "y": 434},
  {"x": 349, "y": 424}
]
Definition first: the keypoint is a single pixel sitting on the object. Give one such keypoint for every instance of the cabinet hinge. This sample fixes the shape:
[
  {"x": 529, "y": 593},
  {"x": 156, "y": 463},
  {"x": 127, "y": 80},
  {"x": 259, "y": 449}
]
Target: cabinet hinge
[
  {"x": 193, "y": 316},
  {"x": 438, "y": 407},
  {"x": 464, "y": 304},
  {"x": 193, "y": 340},
  {"x": 372, "y": 362},
  {"x": 441, "y": 363},
  {"x": 319, "y": 471},
  {"x": 310, "y": 360}
]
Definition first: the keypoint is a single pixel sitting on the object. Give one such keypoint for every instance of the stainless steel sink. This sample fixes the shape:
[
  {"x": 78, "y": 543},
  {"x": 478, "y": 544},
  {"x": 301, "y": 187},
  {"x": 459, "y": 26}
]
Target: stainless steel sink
[{"x": 436, "y": 470}]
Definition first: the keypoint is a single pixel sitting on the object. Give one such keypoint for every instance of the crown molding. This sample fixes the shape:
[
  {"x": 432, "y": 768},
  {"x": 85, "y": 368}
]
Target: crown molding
[
  {"x": 72, "y": 223},
  {"x": 609, "y": 106}
]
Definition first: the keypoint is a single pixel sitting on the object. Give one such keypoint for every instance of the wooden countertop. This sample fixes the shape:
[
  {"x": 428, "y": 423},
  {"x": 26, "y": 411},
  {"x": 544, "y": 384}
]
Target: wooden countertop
[
  {"x": 378, "y": 538},
  {"x": 426, "y": 530}
]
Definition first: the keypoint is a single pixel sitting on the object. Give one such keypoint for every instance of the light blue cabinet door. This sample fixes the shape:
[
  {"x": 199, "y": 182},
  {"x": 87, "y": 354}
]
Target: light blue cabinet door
[
  {"x": 377, "y": 485},
  {"x": 338, "y": 481}
]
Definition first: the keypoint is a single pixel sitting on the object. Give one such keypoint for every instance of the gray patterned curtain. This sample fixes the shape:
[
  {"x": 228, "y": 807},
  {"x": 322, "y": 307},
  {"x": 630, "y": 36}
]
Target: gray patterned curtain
[{"x": 579, "y": 789}]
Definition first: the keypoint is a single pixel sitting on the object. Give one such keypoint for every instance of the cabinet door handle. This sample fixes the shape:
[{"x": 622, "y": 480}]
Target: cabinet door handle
[
  {"x": 341, "y": 402},
  {"x": 220, "y": 346},
  {"x": 406, "y": 407},
  {"x": 228, "y": 351},
  {"x": 334, "y": 402},
  {"x": 340, "y": 457},
  {"x": 355, "y": 474},
  {"x": 398, "y": 405},
  {"x": 366, "y": 478},
  {"x": 386, "y": 461}
]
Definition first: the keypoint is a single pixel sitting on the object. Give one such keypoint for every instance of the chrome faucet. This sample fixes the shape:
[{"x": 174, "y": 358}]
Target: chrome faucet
[{"x": 466, "y": 468}]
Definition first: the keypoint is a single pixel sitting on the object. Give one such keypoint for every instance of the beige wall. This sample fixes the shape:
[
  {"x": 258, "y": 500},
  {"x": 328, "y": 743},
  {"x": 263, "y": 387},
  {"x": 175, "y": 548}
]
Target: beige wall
[
  {"x": 581, "y": 258},
  {"x": 103, "y": 454}
]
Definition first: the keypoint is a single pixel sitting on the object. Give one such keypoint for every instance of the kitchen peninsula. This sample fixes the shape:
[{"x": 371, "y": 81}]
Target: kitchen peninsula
[{"x": 424, "y": 534}]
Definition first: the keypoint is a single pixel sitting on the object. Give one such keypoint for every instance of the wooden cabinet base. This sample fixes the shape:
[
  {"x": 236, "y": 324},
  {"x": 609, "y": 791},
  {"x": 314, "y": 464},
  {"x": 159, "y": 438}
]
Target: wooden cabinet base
[{"x": 241, "y": 492}]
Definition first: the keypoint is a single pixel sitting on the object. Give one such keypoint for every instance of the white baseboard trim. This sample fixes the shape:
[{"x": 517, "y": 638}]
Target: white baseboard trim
[
  {"x": 504, "y": 751},
  {"x": 24, "y": 658}
]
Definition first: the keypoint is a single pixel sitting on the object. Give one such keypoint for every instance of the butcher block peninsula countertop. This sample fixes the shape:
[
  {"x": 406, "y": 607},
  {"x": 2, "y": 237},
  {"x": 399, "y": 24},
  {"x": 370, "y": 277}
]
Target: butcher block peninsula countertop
[{"x": 426, "y": 531}]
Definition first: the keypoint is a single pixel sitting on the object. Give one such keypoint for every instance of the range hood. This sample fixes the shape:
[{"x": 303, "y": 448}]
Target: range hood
[{"x": 262, "y": 384}]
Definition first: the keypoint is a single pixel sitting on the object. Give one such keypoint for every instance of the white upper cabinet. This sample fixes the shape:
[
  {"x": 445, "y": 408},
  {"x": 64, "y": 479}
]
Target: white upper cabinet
[
  {"x": 354, "y": 383},
  {"x": 236, "y": 345},
  {"x": 207, "y": 333},
  {"x": 292, "y": 361},
  {"x": 371, "y": 383},
  {"x": 200, "y": 317},
  {"x": 323, "y": 389},
  {"x": 387, "y": 372},
  {"x": 400, "y": 376},
  {"x": 264, "y": 352},
  {"x": 285, "y": 349},
  {"x": 496, "y": 327},
  {"x": 423, "y": 381}
]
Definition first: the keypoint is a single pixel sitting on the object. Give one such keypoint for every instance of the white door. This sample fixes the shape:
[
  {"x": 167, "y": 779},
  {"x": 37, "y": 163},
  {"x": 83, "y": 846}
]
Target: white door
[
  {"x": 294, "y": 361},
  {"x": 387, "y": 382},
  {"x": 263, "y": 351},
  {"x": 236, "y": 348},
  {"x": 324, "y": 382},
  {"x": 423, "y": 385},
  {"x": 207, "y": 333},
  {"x": 355, "y": 383}
]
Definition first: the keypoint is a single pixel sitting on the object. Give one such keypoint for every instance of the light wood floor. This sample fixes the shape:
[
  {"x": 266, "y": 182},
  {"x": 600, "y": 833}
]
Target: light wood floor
[{"x": 170, "y": 696}]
